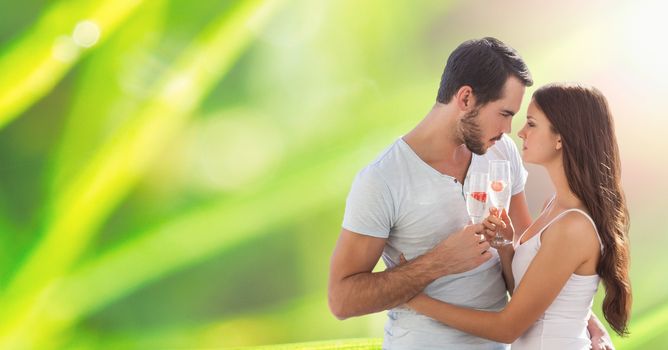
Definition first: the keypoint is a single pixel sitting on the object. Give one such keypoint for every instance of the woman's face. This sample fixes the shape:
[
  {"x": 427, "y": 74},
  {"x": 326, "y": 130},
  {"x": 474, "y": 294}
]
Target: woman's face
[{"x": 541, "y": 145}]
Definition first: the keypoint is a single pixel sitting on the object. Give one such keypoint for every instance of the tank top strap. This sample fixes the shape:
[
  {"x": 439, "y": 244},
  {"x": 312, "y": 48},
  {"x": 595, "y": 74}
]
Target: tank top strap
[
  {"x": 545, "y": 208},
  {"x": 600, "y": 242},
  {"x": 550, "y": 202}
]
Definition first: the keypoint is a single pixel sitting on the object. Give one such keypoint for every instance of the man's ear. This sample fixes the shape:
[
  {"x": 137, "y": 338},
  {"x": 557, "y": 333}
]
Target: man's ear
[{"x": 465, "y": 98}]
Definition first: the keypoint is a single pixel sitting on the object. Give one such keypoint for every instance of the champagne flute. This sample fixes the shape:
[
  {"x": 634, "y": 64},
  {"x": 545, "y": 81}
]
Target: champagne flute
[
  {"x": 476, "y": 196},
  {"x": 499, "y": 194}
]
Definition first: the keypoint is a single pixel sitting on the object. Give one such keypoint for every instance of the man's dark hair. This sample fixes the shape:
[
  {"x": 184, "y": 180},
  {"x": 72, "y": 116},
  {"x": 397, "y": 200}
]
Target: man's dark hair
[{"x": 484, "y": 65}]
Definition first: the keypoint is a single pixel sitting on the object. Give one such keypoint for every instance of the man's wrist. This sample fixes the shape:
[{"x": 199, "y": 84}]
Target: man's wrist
[
  {"x": 595, "y": 331},
  {"x": 424, "y": 268}
]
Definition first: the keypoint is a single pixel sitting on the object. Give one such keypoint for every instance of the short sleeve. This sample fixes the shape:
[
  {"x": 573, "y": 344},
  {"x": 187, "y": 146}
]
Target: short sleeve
[
  {"x": 518, "y": 172},
  {"x": 369, "y": 206}
]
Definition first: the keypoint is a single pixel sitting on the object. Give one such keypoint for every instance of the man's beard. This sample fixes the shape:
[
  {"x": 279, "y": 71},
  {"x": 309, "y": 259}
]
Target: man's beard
[{"x": 471, "y": 134}]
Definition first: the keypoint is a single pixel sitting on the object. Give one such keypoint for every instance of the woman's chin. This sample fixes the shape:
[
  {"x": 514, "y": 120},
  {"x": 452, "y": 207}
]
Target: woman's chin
[{"x": 526, "y": 158}]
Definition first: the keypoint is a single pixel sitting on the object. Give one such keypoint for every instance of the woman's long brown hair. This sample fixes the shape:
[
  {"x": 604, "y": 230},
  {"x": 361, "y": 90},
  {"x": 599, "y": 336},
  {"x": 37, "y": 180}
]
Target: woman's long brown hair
[{"x": 581, "y": 116}]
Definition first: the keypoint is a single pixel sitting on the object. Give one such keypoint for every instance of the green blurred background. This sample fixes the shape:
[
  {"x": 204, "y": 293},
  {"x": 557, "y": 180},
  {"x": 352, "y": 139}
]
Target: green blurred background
[{"x": 173, "y": 173}]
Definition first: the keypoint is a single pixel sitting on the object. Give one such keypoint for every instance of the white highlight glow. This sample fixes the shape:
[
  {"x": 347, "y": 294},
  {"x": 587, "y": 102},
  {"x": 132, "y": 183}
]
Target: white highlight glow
[
  {"x": 65, "y": 50},
  {"x": 645, "y": 38},
  {"x": 86, "y": 33},
  {"x": 232, "y": 151}
]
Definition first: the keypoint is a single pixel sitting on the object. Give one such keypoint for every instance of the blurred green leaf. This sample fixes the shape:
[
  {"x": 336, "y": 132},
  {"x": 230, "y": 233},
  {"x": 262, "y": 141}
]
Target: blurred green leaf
[
  {"x": 112, "y": 84},
  {"x": 34, "y": 63},
  {"x": 87, "y": 200},
  {"x": 209, "y": 230},
  {"x": 172, "y": 220},
  {"x": 282, "y": 321},
  {"x": 644, "y": 329}
]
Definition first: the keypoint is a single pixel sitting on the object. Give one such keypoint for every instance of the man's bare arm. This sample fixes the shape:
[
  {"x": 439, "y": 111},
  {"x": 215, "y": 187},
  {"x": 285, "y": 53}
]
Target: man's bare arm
[{"x": 355, "y": 290}]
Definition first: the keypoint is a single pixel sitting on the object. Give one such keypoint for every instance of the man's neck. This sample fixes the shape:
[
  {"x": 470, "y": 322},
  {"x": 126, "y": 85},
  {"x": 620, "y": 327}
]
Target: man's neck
[
  {"x": 435, "y": 138},
  {"x": 435, "y": 141}
]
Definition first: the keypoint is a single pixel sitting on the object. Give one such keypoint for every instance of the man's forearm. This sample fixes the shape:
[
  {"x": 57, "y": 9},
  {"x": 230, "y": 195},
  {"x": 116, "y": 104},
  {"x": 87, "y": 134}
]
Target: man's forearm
[
  {"x": 361, "y": 292},
  {"x": 371, "y": 292}
]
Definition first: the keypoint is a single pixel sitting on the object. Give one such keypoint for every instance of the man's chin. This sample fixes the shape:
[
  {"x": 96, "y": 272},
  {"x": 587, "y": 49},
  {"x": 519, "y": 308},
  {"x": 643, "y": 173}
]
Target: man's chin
[
  {"x": 483, "y": 148},
  {"x": 479, "y": 150}
]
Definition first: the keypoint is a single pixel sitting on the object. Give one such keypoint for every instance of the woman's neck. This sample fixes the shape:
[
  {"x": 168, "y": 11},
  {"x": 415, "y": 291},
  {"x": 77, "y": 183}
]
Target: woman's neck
[{"x": 564, "y": 196}]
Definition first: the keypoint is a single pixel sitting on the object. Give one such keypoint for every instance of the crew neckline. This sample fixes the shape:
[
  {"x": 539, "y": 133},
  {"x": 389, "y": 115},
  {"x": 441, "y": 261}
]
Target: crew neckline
[{"x": 432, "y": 169}]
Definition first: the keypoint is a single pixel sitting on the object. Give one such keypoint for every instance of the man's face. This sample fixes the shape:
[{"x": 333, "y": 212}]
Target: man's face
[{"x": 483, "y": 126}]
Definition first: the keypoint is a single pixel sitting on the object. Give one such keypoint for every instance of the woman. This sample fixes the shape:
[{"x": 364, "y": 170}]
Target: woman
[{"x": 553, "y": 269}]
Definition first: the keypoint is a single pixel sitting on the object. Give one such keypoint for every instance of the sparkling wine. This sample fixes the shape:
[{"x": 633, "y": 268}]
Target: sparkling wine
[
  {"x": 476, "y": 195},
  {"x": 499, "y": 194},
  {"x": 475, "y": 205}
]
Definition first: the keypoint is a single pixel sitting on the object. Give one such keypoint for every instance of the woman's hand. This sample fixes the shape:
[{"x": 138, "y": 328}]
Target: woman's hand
[{"x": 503, "y": 224}]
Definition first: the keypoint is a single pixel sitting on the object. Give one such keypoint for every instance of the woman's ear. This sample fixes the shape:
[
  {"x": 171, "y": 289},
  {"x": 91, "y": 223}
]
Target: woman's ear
[{"x": 558, "y": 147}]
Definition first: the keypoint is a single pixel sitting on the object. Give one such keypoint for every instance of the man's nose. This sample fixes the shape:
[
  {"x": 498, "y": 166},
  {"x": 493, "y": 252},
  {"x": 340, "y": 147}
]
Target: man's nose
[{"x": 507, "y": 126}]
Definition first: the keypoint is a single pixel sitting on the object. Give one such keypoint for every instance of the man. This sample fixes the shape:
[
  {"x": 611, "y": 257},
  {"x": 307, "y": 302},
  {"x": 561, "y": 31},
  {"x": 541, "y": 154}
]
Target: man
[{"x": 410, "y": 201}]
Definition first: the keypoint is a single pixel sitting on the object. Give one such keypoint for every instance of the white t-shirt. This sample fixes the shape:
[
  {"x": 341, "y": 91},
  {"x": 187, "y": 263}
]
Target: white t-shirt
[{"x": 401, "y": 198}]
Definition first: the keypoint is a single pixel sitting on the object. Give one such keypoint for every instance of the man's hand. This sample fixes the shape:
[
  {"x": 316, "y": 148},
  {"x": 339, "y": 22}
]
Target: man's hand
[
  {"x": 600, "y": 339},
  {"x": 461, "y": 251},
  {"x": 354, "y": 289},
  {"x": 601, "y": 342}
]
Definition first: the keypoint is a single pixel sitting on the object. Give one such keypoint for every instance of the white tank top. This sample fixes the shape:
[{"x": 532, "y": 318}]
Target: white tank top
[{"x": 564, "y": 323}]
